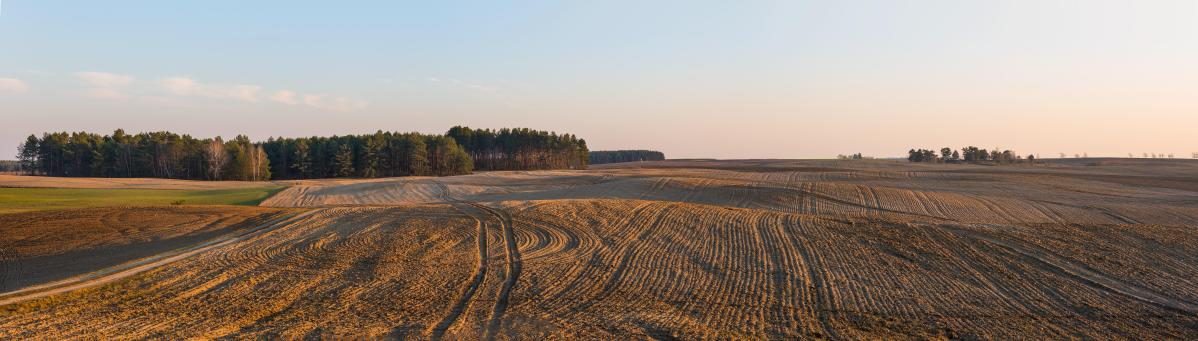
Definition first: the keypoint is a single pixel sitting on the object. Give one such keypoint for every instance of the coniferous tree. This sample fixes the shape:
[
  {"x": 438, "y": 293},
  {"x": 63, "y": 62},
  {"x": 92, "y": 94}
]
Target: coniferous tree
[
  {"x": 614, "y": 156},
  {"x": 372, "y": 155},
  {"x": 302, "y": 159},
  {"x": 169, "y": 155},
  {"x": 27, "y": 154},
  {"x": 417, "y": 153},
  {"x": 343, "y": 164},
  {"x": 521, "y": 148}
]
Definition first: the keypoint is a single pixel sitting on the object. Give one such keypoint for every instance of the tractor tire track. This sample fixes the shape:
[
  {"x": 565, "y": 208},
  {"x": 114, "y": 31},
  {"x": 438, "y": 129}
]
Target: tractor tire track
[
  {"x": 1084, "y": 274},
  {"x": 467, "y": 297},
  {"x": 512, "y": 274}
]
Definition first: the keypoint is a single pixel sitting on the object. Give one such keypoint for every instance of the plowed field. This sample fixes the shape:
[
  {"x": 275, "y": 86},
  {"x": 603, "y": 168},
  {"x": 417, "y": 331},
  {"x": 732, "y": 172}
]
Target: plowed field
[{"x": 699, "y": 249}]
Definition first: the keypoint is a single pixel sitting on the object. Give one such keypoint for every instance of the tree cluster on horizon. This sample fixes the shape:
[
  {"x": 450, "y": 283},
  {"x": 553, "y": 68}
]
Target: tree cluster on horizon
[
  {"x": 521, "y": 148},
  {"x": 854, "y": 156},
  {"x": 616, "y": 156},
  {"x": 152, "y": 155},
  {"x": 967, "y": 154},
  {"x": 10, "y": 166},
  {"x": 382, "y": 154}
]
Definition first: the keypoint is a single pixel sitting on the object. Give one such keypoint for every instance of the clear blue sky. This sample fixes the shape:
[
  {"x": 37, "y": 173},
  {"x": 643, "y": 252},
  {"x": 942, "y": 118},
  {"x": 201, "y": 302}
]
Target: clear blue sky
[{"x": 725, "y": 79}]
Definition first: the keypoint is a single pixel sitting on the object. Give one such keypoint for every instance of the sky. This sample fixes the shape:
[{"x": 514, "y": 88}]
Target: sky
[{"x": 694, "y": 79}]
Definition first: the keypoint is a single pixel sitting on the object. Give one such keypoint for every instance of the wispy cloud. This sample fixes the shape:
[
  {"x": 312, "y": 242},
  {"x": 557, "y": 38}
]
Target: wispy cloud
[
  {"x": 104, "y": 85},
  {"x": 338, "y": 103},
  {"x": 104, "y": 79},
  {"x": 186, "y": 86},
  {"x": 12, "y": 86},
  {"x": 287, "y": 97},
  {"x": 104, "y": 93},
  {"x": 464, "y": 84}
]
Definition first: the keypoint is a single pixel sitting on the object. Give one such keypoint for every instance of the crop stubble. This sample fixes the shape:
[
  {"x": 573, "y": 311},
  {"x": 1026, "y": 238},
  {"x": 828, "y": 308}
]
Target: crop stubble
[{"x": 687, "y": 250}]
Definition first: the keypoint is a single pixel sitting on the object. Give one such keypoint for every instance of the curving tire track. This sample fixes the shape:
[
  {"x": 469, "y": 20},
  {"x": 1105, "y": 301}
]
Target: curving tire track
[
  {"x": 514, "y": 264},
  {"x": 1082, "y": 273},
  {"x": 467, "y": 297},
  {"x": 483, "y": 213}
]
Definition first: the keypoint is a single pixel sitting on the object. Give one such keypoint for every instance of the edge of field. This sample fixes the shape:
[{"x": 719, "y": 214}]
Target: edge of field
[{"x": 27, "y": 199}]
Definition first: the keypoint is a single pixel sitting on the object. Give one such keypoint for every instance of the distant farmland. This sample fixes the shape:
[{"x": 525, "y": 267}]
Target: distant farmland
[{"x": 690, "y": 249}]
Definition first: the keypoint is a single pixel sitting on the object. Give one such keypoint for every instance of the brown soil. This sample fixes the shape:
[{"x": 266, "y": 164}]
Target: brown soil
[
  {"x": 805, "y": 250},
  {"x": 46, "y": 246}
]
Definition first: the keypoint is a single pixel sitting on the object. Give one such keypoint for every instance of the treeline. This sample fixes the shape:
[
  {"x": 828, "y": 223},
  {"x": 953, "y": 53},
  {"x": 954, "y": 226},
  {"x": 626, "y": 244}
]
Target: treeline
[
  {"x": 10, "y": 166},
  {"x": 154, "y": 155},
  {"x": 854, "y": 156},
  {"x": 382, "y": 154},
  {"x": 614, "y": 156},
  {"x": 967, "y": 154},
  {"x": 520, "y": 148}
]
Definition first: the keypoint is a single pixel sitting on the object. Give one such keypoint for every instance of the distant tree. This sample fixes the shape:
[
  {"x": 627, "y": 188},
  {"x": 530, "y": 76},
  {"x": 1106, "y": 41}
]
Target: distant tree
[
  {"x": 240, "y": 165},
  {"x": 946, "y": 153},
  {"x": 972, "y": 154},
  {"x": 1031, "y": 158},
  {"x": 302, "y": 160},
  {"x": 956, "y": 155},
  {"x": 215, "y": 158},
  {"x": 169, "y": 155},
  {"x": 521, "y": 148},
  {"x": 27, "y": 154},
  {"x": 417, "y": 157},
  {"x": 259, "y": 164},
  {"x": 372, "y": 155},
  {"x": 10, "y": 166},
  {"x": 922, "y": 155},
  {"x": 343, "y": 162}
]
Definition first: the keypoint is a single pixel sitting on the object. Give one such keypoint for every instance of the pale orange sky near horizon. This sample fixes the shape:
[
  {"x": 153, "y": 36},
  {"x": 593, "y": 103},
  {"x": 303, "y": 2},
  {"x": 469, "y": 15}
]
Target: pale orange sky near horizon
[{"x": 694, "y": 79}]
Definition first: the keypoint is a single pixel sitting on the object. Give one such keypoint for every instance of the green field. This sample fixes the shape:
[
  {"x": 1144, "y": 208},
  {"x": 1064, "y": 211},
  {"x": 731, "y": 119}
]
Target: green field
[{"x": 34, "y": 199}]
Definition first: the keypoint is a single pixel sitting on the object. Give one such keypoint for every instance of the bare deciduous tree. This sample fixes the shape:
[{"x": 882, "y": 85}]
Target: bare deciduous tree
[
  {"x": 257, "y": 163},
  {"x": 216, "y": 158}
]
